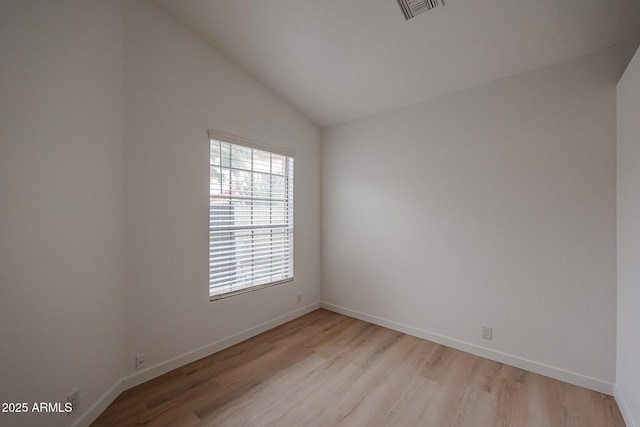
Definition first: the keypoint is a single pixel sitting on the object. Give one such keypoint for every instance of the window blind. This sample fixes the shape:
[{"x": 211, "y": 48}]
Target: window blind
[{"x": 250, "y": 216}]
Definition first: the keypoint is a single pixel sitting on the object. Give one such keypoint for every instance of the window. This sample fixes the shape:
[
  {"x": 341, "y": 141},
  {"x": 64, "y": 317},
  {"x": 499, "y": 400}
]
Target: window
[{"x": 250, "y": 216}]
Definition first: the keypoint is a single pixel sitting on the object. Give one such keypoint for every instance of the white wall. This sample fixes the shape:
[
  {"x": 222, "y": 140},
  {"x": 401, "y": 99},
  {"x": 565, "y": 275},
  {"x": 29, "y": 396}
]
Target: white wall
[
  {"x": 491, "y": 206},
  {"x": 176, "y": 88},
  {"x": 628, "y": 355},
  {"x": 61, "y": 308}
]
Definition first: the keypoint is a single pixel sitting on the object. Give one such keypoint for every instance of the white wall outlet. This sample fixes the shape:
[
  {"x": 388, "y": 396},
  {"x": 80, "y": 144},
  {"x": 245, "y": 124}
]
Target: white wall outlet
[
  {"x": 74, "y": 399},
  {"x": 487, "y": 333},
  {"x": 299, "y": 298},
  {"x": 140, "y": 359}
]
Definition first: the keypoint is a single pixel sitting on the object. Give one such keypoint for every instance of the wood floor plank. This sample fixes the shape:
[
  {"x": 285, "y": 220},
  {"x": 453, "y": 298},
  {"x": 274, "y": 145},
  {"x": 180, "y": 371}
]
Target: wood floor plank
[
  {"x": 254, "y": 406},
  {"x": 320, "y": 401},
  {"x": 326, "y": 369},
  {"x": 410, "y": 406}
]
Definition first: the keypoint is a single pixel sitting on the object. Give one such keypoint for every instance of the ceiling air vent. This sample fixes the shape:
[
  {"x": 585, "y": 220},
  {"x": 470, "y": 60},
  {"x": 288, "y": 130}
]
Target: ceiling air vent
[{"x": 411, "y": 8}]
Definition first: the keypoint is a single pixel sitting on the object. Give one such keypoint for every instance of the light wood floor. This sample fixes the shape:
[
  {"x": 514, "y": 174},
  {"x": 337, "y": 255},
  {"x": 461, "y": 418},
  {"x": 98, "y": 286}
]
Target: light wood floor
[{"x": 325, "y": 369}]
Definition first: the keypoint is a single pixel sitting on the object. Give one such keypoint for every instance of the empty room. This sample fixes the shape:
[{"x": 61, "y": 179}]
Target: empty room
[{"x": 319, "y": 213}]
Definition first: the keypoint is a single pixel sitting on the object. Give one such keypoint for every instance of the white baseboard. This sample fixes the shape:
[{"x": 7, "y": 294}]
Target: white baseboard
[
  {"x": 183, "y": 359},
  {"x": 99, "y": 406},
  {"x": 624, "y": 409},
  {"x": 519, "y": 362},
  {"x": 162, "y": 368}
]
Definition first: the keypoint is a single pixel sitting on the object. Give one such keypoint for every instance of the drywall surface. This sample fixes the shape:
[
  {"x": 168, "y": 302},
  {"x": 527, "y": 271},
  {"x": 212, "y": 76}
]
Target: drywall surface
[
  {"x": 176, "y": 88},
  {"x": 628, "y": 355},
  {"x": 61, "y": 308},
  {"x": 491, "y": 206}
]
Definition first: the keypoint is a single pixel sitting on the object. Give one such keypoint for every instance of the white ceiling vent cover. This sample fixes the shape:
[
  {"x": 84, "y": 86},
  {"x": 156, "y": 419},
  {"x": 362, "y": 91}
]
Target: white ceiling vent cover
[{"x": 411, "y": 8}]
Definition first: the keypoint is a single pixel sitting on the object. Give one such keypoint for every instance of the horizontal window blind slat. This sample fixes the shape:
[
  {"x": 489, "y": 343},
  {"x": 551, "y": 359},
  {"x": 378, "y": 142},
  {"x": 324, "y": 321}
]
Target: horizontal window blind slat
[
  {"x": 246, "y": 257},
  {"x": 239, "y": 199},
  {"x": 247, "y": 274},
  {"x": 238, "y": 288},
  {"x": 236, "y": 168},
  {"x": 265, "y": 278},
  {"x": 253, "y": 280},
  {"x": 221, "y": 248},
  {"x": 224, "y": 257},
  {"x": 228, "y": 228},
  {"x": 248, "y": 271}
]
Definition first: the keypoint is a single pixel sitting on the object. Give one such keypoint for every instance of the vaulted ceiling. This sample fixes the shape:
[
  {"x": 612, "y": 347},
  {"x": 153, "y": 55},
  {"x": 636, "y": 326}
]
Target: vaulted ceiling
[{"x": 337, "y": 60}]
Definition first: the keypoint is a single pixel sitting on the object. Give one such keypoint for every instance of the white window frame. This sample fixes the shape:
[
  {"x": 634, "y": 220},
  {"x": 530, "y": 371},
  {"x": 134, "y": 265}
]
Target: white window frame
[{"x": 224, "y": 265}]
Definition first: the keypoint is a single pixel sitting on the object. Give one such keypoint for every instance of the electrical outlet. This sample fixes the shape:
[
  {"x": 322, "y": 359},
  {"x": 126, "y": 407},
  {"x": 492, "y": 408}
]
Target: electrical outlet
[
  {"x": 74, "y": 399},
  {"x": 299, "y": 298},
  {"x": 140, "y": 361},
  {"x": 487, "y": 333}
]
